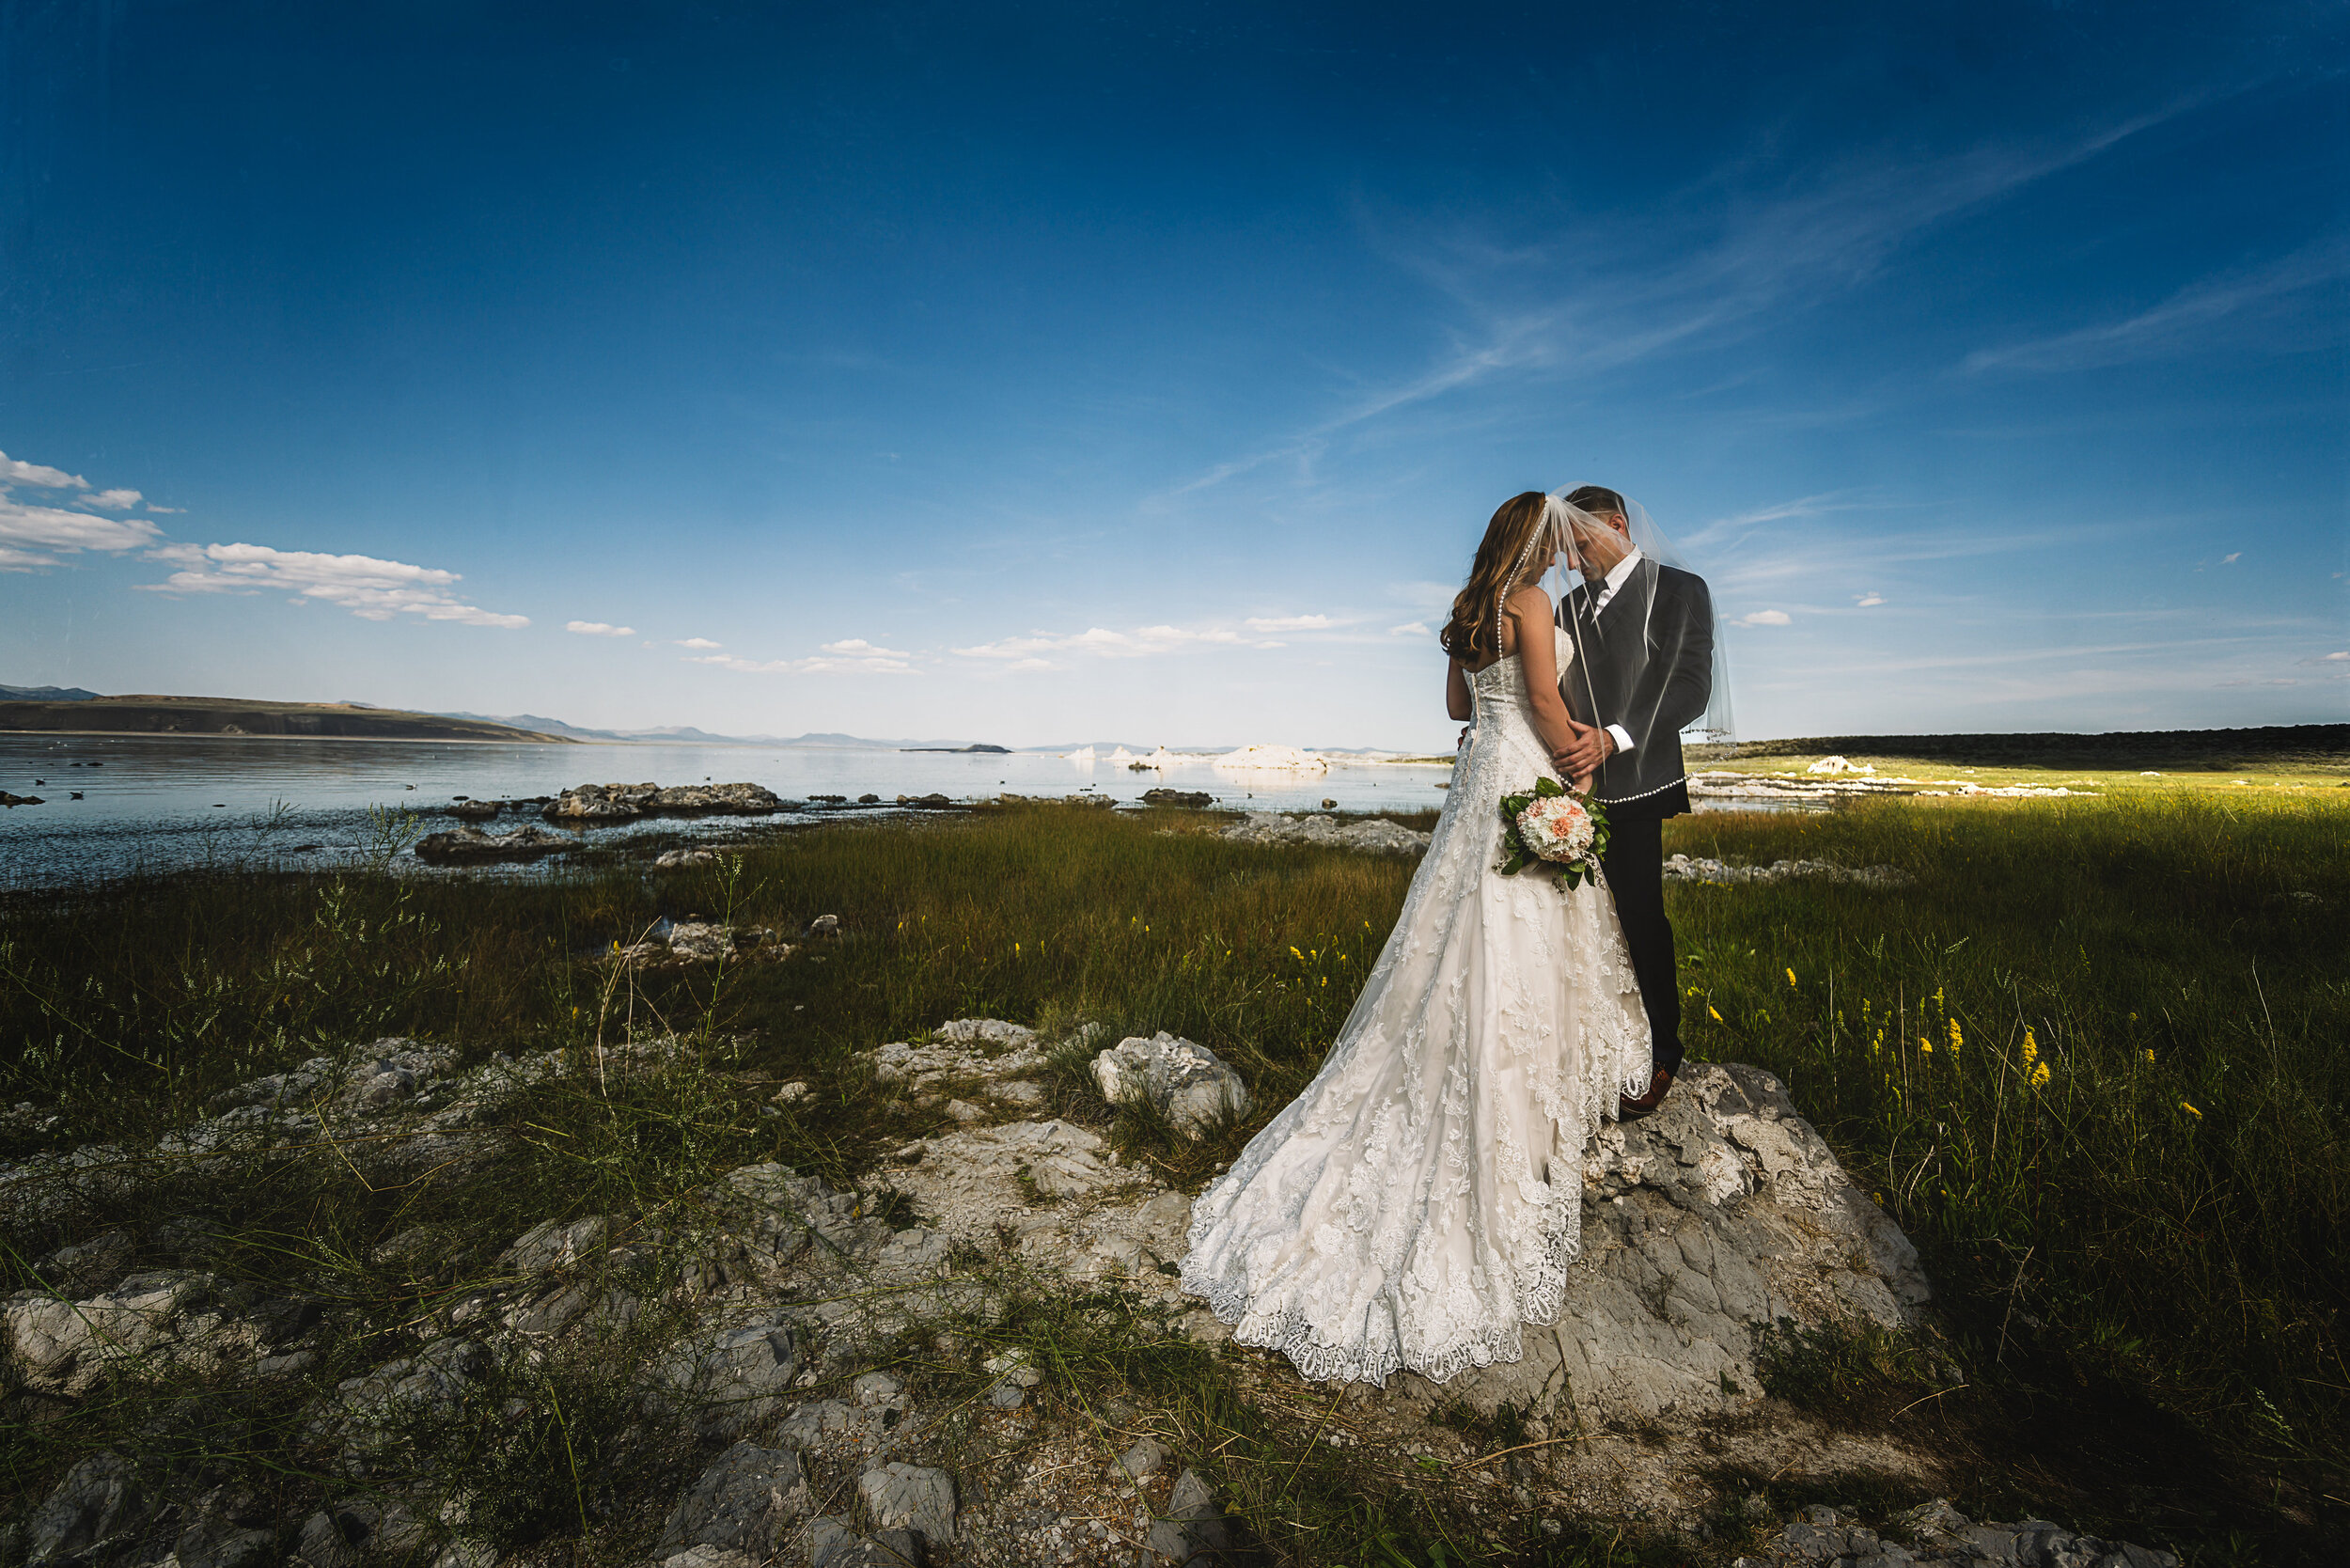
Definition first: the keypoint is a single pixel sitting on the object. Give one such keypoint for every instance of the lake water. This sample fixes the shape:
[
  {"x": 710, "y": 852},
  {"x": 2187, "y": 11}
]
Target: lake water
[{"x": 155, "y": 803}]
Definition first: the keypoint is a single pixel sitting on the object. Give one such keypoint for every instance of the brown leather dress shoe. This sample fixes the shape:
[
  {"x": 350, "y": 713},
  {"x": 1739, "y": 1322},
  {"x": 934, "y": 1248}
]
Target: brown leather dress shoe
[{"x": 1629, "y": 1110}]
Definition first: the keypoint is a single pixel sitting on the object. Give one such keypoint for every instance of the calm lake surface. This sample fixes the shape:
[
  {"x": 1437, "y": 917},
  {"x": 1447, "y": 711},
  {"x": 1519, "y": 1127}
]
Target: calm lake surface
[{"x": 165, "y": 802}]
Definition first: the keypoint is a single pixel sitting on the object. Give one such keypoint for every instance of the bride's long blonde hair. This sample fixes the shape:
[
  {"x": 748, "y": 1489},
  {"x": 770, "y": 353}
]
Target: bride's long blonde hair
[{"x": 1501, "y": 569}]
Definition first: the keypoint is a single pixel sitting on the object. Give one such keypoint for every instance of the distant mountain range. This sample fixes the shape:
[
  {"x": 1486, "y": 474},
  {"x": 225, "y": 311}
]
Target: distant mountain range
[
  {"x": 686, "y": 734},
  {"x": 46, "y": 693}
]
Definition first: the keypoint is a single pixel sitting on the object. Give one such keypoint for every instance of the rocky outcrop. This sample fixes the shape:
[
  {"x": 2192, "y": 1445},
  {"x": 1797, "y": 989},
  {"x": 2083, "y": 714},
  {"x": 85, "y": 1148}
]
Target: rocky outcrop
[
  {"x": 593, "y": 804},
  {"x": 791, "y": 1312},
  {"x": 471, "y": 846},
  {"x": 99, "y": 1503},
  {"x": 1186, "y": 1083},
  {"x": 1704, "y": 1225},
  {"x": 1370, "y": 835},
  {"x": 1178, "y": 797},
  {"x": 746, "y": 1502},
  {"x": 1939, "y": 1536},
  {"x": 154, "y": 1319}
]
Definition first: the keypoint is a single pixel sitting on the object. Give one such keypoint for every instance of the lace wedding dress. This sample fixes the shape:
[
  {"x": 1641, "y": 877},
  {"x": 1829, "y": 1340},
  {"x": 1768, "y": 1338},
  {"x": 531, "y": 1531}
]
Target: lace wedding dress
[{"x": 1420, "y": 1203}]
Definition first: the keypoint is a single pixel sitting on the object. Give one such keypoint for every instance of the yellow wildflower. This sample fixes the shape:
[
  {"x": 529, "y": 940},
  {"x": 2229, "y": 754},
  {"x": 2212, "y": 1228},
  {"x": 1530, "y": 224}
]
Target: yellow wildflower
[
  {"x": 2190, "y": 1110},
  {"x": 1926, "y": 1045},
  {"x": 1715, "y": 1010},
  {"x": 2031, "y": 1048},
  {"x": 2039, "y": 1074},
  {"x": 2150, "y": 1056},
  {"x": 1956, "y": 1039},
  {"x": 1791, "y": 979}
]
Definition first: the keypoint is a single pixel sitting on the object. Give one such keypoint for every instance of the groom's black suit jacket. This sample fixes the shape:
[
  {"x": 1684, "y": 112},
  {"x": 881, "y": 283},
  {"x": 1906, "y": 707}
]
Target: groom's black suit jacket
[{"x": 1650, "y": 653}]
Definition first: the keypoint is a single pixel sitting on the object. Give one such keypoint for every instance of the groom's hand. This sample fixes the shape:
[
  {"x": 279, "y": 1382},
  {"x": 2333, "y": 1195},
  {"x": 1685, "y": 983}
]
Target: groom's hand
[{"x": 1592, "y": 745}]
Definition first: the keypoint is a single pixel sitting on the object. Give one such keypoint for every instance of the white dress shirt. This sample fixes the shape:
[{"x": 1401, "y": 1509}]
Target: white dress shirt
[{"x": 1600, "y": 600}]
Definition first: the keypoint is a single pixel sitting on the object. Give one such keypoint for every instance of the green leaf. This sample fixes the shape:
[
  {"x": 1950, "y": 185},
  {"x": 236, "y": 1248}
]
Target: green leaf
[{"x": 1549, "y": 788}]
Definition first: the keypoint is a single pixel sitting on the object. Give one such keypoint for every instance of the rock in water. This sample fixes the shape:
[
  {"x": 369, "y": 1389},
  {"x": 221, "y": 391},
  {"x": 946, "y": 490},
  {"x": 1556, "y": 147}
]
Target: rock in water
[
  {"x": 602, "y": 802},
  {"x": 469, "y": 845},
  {"x": 620, "y": 802},
  {"x": 727, "y": 800},
  {"x": 1188, "y": 1083},
  {"x": 1177, "y": 797}
]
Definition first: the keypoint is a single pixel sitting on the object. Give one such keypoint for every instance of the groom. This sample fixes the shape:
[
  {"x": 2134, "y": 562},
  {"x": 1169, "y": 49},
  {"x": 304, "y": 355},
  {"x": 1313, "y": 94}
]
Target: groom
[{"x": 1643, "y": 673}]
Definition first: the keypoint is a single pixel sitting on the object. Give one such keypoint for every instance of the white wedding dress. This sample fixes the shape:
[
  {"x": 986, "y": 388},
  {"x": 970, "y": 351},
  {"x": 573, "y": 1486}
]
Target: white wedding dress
[{"x": 1420, "y": 1203}]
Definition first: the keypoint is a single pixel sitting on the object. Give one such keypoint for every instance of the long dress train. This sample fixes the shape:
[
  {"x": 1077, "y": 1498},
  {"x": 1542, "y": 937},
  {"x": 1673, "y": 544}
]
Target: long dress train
[{"x": 1420, "y": 1201}]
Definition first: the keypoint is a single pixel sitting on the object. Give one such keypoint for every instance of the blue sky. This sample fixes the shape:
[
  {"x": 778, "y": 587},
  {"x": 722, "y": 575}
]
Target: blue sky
[{"x": 1026, "y": 373}]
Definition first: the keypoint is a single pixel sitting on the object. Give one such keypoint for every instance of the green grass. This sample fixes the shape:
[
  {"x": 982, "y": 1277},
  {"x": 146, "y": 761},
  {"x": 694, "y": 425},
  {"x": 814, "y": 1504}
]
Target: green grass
[{"x": 2145, "y": 1299}]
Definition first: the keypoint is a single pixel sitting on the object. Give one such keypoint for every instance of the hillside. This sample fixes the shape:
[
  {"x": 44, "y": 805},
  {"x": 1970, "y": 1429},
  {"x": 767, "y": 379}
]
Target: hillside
[{"x": 222, "y": 715}]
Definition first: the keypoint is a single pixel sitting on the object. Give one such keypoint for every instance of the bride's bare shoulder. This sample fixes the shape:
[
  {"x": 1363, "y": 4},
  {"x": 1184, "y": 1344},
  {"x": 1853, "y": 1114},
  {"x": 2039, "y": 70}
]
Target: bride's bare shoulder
[{"x": 1530, "y": 602}]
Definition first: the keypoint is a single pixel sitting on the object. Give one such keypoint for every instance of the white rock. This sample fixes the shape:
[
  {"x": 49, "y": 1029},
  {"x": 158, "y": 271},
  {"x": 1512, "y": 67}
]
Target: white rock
[
  {"x": 1274, "y": 759},
  {"x": 1369, "y": 835},
  {"x": 1188, "y": 1083}
]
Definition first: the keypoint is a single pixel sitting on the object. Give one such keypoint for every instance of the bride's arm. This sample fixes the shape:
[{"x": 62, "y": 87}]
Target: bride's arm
[
  {"x": 1456, "y": 692},
  {"x": 1530, "y": 609}
]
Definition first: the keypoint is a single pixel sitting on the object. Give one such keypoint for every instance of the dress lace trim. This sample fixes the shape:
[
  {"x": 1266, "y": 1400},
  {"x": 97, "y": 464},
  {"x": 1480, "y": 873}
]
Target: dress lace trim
[{"x": 1420, "y": 1202}]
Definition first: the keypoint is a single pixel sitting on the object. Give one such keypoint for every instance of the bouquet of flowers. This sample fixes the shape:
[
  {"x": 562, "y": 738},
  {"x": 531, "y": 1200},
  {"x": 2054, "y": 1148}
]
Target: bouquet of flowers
[{"x": 1551, "y": 824}]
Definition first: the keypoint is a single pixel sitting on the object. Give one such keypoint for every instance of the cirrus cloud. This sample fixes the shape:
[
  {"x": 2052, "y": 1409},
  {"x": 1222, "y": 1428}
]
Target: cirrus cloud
[
  {"x": 698, "y": 642},
  {"x": 599, "y": 629},
  {"x": 1764, "y": 618}
]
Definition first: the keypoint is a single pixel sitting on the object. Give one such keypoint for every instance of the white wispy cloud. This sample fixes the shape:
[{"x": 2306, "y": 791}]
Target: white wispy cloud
[
  {"x": 369, "y": 588},
  {"x": 1290, "y": 623},
  {"x": 15, "y": 471},
  {"x": 855, "y": 656},
  {"x": 599, "y": 629},
  {"x": 1596, "y": 297},
  {"x": 1410, "y": 629},
  {"x": 698, "y": 642},
  {"x": 1764, "y": 618},
  {"x": 2232, "y": 559},
  {"x": 35, "y": 536},
  {"x": 2193, "y": 313},
  {"x": 1867, "y": 601},
  {"x": 1035, "y": 650}
]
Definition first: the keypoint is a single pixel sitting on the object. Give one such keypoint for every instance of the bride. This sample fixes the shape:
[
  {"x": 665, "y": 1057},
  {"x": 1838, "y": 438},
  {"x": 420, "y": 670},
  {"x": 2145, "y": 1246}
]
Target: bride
[{"x": 1420, "y": 1203}]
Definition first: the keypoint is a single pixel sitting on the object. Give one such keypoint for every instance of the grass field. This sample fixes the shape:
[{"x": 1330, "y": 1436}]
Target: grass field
[{"x": 2091, "y": 1060}]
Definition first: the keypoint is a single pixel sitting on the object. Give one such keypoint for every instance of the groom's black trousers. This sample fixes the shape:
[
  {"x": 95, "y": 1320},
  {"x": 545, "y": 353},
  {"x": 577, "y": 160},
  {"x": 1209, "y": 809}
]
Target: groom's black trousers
[{"x": 1635, "y": 864}]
